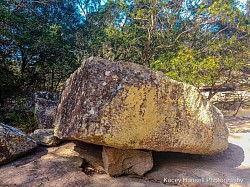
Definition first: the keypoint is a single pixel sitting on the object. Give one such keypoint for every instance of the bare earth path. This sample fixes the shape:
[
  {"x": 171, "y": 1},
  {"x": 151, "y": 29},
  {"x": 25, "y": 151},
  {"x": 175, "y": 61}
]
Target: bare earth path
[{"x": 63, "y": 166}]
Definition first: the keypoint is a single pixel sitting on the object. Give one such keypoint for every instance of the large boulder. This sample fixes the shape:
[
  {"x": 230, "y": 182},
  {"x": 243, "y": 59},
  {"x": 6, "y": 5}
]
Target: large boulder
[
  {"x": 127, "y": 106},
  {"x": 13, "y": 143}
]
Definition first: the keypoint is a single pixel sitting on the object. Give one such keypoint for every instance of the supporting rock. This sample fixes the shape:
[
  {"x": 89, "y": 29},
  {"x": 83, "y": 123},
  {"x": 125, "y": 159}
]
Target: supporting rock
[{"x": 118, "y": 162}]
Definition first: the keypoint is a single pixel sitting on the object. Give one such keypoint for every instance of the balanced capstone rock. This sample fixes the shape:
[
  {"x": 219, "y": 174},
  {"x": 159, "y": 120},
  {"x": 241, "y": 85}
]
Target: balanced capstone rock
[{"x": 127, "y": 106}]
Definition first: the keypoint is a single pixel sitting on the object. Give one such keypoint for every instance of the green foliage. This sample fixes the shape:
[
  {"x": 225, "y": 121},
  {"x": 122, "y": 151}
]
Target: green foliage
[
  {"x": 42, "y": 42},
  {"x": 38, "y": 40},
  {"x": 21, "y": 119},
  {"x": 193, "y": 67}
]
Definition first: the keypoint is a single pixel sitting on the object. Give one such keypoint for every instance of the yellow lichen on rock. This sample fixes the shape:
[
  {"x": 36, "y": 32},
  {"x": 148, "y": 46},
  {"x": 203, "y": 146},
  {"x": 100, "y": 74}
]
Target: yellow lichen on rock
[
  {"x": 145, "y": 114},
  {"x": 138, "y": 109}
]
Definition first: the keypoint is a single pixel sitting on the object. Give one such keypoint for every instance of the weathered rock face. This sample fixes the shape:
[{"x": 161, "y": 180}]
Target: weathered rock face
[
  {"x": 134, "y": 162},
  {"x": 126, "y": 106},
  {"x": 13, "y": 143},
  {"x": 45, "y": 109},
  {"x": 45, "y": 137}
]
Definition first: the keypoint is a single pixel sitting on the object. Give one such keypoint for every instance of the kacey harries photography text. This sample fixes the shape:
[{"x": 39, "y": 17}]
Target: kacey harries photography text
[{"x": 203, "y": 180}]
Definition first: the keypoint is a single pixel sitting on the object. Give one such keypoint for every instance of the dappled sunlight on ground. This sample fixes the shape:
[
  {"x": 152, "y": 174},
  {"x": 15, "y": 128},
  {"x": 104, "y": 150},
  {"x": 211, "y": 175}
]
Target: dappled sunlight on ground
[{"x": 62, "y": 166}]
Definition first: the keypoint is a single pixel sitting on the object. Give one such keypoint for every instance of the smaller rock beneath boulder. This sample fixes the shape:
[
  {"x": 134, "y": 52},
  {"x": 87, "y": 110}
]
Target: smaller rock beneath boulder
[
  {"x": 134, "y": 162},
  {"x": 13, "y": 143},
  {"x": 45, "y": 137}
]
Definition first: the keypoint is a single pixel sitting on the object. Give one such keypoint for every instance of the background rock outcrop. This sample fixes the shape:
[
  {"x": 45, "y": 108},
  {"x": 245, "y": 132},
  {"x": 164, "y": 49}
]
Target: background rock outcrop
[
  {"x": 45, "y": 109},
  {"x": 13, "y": 143},
  {"x": 127, "y": 106}
]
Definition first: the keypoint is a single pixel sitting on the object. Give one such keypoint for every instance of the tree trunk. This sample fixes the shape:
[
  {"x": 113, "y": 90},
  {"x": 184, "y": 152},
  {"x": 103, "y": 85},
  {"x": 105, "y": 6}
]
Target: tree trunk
[
  {"x": 52, "y": 79},
  {"x": 153, "y": 19}
]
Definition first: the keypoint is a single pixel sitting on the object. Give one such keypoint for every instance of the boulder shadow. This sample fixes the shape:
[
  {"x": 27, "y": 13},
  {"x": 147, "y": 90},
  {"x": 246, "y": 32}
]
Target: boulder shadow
[
  {"x": 180, "y": 165},
  {"x": 230, "y": 158},
  {"x": 26, "y": 158}
]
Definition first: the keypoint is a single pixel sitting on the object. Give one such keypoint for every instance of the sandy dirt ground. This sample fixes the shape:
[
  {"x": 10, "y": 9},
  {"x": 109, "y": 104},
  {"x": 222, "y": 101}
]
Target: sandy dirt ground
[{"x": 79, "y": 164}]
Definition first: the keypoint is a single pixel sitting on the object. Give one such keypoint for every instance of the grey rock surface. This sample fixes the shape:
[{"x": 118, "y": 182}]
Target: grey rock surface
[
  {"x": 45, "y": 109},
  {"x": 45, "y": 137},
  {"x": 13, "y": 143}
]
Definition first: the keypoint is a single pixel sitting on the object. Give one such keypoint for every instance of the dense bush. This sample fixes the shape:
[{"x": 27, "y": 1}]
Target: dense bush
[{"x": 24, "y": 120}]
